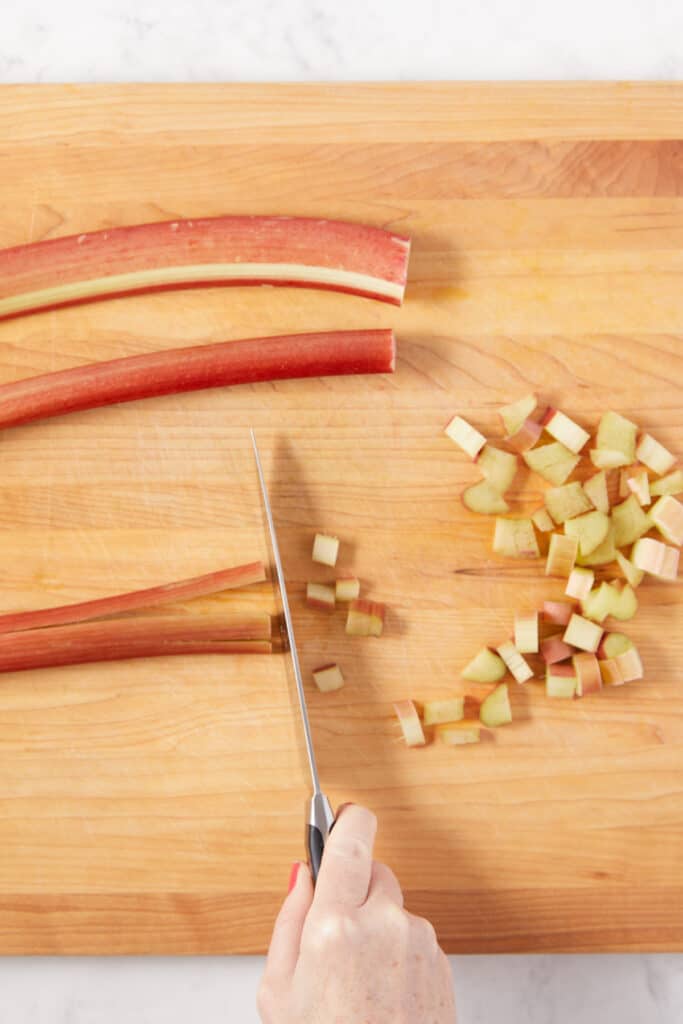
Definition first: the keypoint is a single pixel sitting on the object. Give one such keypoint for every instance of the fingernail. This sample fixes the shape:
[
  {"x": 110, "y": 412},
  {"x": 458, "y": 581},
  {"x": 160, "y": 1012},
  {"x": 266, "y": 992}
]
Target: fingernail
[
  {"x": 342, "y": 807},
  {"x": 293, "y": 875}
]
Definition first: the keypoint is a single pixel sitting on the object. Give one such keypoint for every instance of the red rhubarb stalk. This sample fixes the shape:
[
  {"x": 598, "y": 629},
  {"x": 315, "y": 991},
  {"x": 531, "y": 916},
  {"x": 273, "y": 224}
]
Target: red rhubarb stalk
[
  {"x": 147, "y": 637},
  {"x": 299, "y": 251},
  {"x": 182, "y": 590},
  {"x": 326, "y": 354}
]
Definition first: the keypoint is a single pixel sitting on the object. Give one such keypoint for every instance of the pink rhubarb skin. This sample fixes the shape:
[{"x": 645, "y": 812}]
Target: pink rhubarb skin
[
  {"x": 291, "y": 356},
  {"x": 119, "y": 639},
  {"x": 182, "y": 590},
  {"x": 295, "y": 251}
]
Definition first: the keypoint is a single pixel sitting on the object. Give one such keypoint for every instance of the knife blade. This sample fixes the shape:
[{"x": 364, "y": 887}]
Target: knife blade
[{"x": 319, "y": 817}]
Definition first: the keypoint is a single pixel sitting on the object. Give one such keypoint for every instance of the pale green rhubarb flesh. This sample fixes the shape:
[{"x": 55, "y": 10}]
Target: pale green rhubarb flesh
[
  {"x": 290, "y": 356},
  {"x": 295, "y": 251}
]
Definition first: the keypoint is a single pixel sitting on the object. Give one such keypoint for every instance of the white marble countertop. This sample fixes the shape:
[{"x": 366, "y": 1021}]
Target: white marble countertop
[{"x": 115, "y": 40}]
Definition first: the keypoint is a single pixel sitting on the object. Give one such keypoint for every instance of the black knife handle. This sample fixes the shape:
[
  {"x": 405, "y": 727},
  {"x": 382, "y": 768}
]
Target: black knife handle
[{"x": 315, "y": 844}]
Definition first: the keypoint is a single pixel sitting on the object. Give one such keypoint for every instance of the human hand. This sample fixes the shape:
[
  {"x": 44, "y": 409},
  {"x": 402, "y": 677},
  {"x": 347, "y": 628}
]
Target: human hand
[{"x": 347, "y": 952}]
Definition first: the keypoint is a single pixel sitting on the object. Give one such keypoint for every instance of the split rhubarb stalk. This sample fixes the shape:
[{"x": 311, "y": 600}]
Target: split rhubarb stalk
[
  {"x": 295, "y": 251},
  {"x": 118, "y": 604},
  {"x": 148, "y": 637},
  {"x": 326, "y": 354}
]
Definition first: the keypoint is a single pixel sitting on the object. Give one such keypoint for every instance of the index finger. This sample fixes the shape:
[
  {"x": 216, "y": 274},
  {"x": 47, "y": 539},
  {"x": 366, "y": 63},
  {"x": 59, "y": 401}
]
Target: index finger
[{"x": 346, "y": 867}]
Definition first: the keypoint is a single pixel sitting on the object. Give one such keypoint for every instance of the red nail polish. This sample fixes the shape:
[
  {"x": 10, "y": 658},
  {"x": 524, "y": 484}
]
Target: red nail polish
[{"x": 293, "y": 875}]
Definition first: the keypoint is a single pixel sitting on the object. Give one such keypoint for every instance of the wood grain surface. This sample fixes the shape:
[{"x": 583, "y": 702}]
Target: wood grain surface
[{"x": 150, "y": 807}]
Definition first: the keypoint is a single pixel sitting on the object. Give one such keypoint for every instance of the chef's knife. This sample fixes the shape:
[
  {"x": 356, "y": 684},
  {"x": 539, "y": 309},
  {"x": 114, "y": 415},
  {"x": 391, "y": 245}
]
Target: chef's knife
[{"x": 320, "y": 817}]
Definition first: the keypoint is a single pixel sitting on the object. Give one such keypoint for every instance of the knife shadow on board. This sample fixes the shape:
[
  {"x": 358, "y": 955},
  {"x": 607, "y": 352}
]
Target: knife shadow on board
[{"x": 359, "y": 752}]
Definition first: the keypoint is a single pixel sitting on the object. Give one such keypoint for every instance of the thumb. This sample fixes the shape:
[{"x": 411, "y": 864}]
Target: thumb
[{"x": 283, "y": 952}]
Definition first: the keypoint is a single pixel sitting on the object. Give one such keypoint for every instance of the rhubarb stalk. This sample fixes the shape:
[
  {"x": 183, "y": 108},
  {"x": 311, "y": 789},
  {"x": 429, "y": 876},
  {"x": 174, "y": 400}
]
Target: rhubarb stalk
[
  {"x": 297, "y": 251},
  {"x": 148, "y": 637},
  {"x": 182, "y": 590},
  {"x": 325, "y": 354}
]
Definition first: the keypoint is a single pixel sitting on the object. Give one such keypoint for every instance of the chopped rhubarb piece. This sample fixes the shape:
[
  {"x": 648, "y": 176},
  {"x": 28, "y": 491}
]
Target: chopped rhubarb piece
[
  {"x": 667, "y": 515},
  {"x": 465, "y": 436},
  {"x": 630, "y": 666},
  {"x": 610, "y": 672},
  {"x": 617, "y": 434},
  {"x": 347, "y": 588},
  {"x": 604, "y": 458},
  {"x": 485, "y": 667},
  {"x": 610, "y": 599},
  {"x": 498, "y": 467},
  {"x": 655, "y": 558},
  {"x": 201, "y": 366},
  {"x": 639, "y": 484},
  {"x": 456, "y": 734},
  {"x": 567, "y": 501},
  {"x": 565, "y": 430},
  {"x": 624, "y": 604},
  {"x": 438, "y": 711},
  {"x": 669, "y": 570},
  {"x": 630, "y": 522},
  {"x": 328, "y": 678},
  {"x": 621, "y": 659},
  {"x": 515, "y": 538},
  {"x": 517, "y": 665},
  {"x": 514, "y": 415},
  {"x": 654, "y": 455},
  {"x": 495, "y": 709},
  {"x": 633, "y": 576},
  {"x": 558, "y": 612},
  {"x": 560, "y": 681},
  {"x": 319, "y": 595},
  {"x": 580, "y": 583},
  {"x": 624, "y": 476},
  {"x": 583, "y": 633},
  {"x": 599, "y": 603},
  {"x": 561, "y": 555},
  {"x": 542, "y": 521},
  {"x": 588, "y": 677},
  {"x": 553, "y": 462},
  {"x": 614, "y": 644},
  {"x": 590, "y": 530},
  {"x": 410, "y": 723},
  {"x": 147, "y": 636},
  {"x": 671, "y": 484},
  {"x": 300, "y": 251},
  {"x": 365, "y": 618},
  {"x": 325, "y": 549},
  {"x": 596, "y": 491},
  {"x": 483, "y": 498},
  {"x": 554, "y": 649},
  {"x": 604, "y": 554},
  {"x": 526, "y": 633},
  {"x": 526, "y": 437},
  {"x": 118, "y": 604}
]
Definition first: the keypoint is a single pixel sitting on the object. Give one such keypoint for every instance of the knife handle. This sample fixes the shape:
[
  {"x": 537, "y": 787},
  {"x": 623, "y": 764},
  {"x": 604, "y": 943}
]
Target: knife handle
[
  {"x": 319, "y": 823},
  {"x": 315, "y": 845}
]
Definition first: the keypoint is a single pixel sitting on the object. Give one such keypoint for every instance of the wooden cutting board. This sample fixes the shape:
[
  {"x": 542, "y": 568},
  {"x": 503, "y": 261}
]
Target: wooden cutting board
[{"x": 156, "y": 807}]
